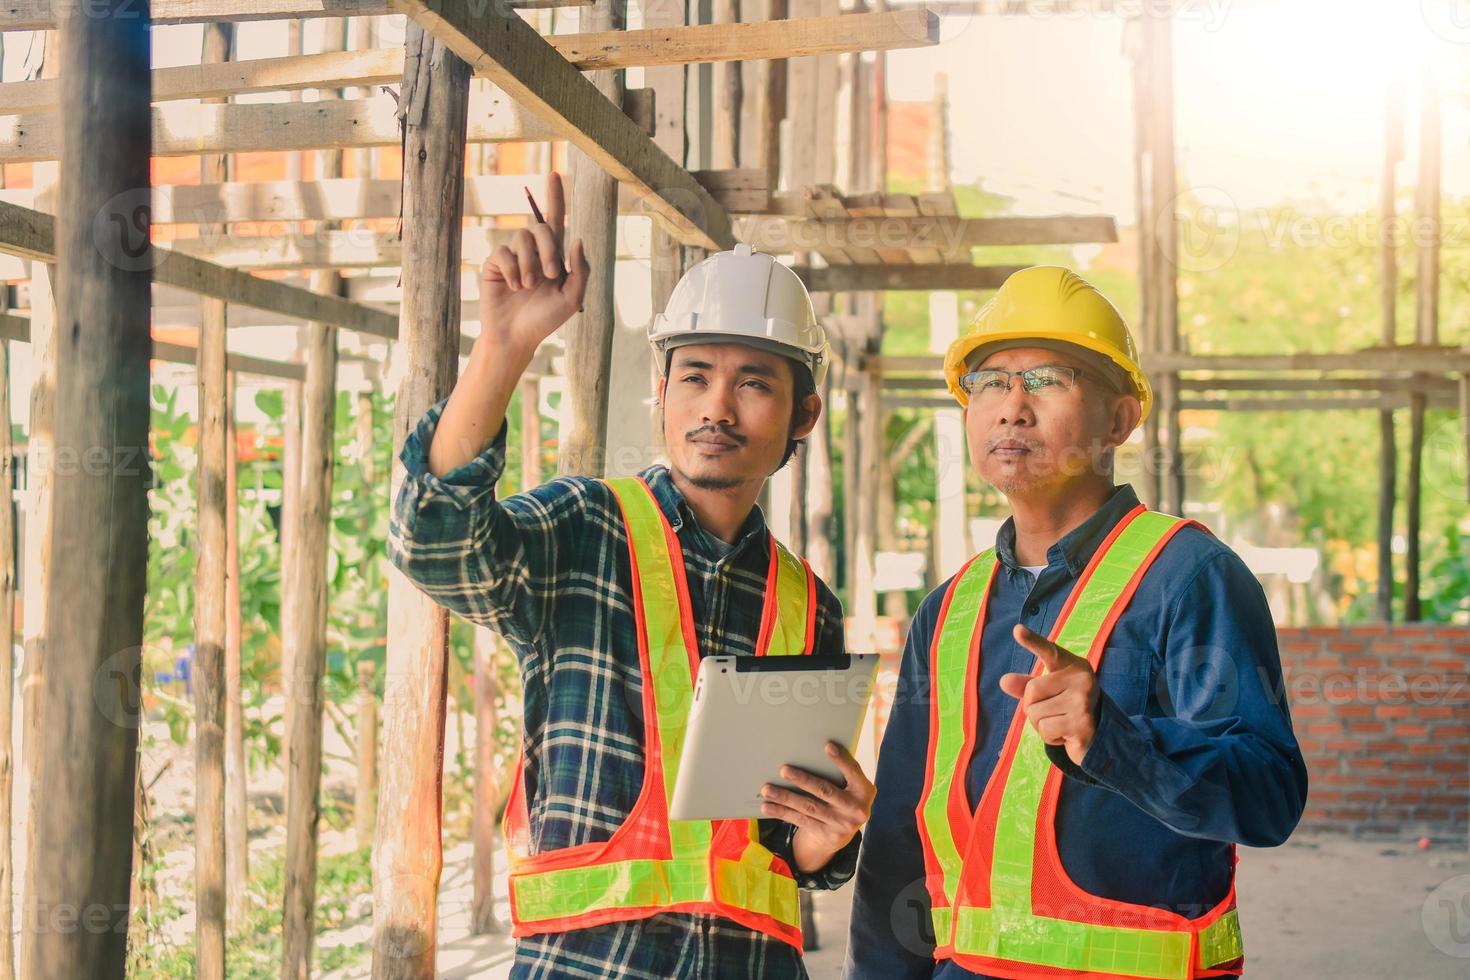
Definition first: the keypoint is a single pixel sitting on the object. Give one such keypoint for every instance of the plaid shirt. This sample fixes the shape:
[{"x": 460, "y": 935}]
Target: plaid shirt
[{"x": 549, "y": 570}]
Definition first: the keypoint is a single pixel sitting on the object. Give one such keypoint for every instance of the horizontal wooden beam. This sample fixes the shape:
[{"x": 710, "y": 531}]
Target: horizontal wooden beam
[
  {"x": 1430, "y": 360},
  {"x": 32, "y": 234},
  {"x": 1374, "y": 403},
  {"x": 18, "y": 328},
  {"x": 884, "y": 31},
  {"x": 863, "y": 278},
  {"x": 342, "y": 199},
  {"x": 522, "y": 63},
  {"x": 40, "y": 15},
  {"x": 180, "y": 130},
  {"x": 1318, "y": 384},
  {"x": 1427, "y": 360},
  {"x": 357, "y": 248},
  {"x": 952, "y": 237}
]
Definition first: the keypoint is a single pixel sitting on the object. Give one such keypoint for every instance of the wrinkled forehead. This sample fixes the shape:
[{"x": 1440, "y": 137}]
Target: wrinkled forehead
[{"x": 1021, "y": 358}]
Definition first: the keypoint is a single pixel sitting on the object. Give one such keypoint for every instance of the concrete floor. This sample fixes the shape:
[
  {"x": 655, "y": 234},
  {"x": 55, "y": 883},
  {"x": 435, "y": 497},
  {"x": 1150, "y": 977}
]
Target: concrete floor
[{"x": 1319, "y": 907}]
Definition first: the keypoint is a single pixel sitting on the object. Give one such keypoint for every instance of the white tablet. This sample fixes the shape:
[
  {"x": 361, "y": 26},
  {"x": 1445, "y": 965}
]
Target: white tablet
[{"x": 753, "y": 715}]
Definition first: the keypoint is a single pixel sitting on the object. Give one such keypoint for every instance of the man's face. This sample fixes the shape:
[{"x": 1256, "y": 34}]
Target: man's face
[
  {"x": 727, "y": 413},
  {"x": 1027, "y": 444}
]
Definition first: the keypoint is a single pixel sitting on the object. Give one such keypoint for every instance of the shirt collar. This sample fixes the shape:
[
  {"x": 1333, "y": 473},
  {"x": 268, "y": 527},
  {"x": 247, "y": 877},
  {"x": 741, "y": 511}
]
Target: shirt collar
[
  {"x": 1076, "y": 548},
  {"x": 677, "y": 510}
]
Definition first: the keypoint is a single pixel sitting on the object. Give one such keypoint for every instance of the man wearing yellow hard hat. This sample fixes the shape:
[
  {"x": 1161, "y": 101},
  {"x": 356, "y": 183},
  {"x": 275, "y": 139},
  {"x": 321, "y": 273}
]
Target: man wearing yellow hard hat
[{"x": 1089, "y": 716}]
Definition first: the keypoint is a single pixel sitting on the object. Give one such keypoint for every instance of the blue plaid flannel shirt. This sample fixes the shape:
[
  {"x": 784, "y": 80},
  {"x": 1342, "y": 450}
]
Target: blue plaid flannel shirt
[{"x": 549, "y": 571}]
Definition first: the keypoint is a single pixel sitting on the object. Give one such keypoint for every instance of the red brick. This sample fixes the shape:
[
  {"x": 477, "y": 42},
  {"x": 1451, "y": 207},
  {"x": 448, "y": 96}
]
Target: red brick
[
  {"x": 1448, "y": 765},
  {"x": 1368, "y": 762},
  {"x": 1387, "y": 782},
  {"x": 1344, "y": 745},
  {"x": 1325, "y": 728},
  {"x": 1408, "y": 765},
  {"x": 1354, "y": 711},
  {"x": 1421, "y": 782},
  {"x": 1435, "y": 711},
  {"x": 1309, "y": 745},
  {"x": 1312, "y": 711},
  {"x": 1313, "y": 664},
  {"x": 1429, "y": 748},
  {"x": 1393, "y": 711},
  {"x": 1368, "y": 629},
  {"x": 1405, "y": 729},
  {"x": 1367, "y": 727},
  {"x": 1387, "y": 746}
]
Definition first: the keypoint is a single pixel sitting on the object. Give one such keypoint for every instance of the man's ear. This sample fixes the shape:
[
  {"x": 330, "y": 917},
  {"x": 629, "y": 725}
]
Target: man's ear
[
  {"x": 811, "y": 411},
  {"x": 662, "y": 384},
  {"x": 1127, "y": 413}
]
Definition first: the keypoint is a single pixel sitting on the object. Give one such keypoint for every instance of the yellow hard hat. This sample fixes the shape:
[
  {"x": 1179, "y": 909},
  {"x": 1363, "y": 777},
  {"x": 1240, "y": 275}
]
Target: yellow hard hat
[{"x": 1050, "y": 305}]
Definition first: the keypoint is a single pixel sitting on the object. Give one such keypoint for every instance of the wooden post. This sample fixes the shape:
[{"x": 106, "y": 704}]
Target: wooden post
[
  {"x": 210, "y": 587},
  {"x": 290, "y": 451},
  {"x": 1136, "y": 43},
  {"x": 820, "y": 524},
  {"x": 7, "y": 666},
  {"x": 1160, "y": 39},
  {"x": 40, "y": 453},
  {"x": 728, "y": 95},
  {"x": 1426, "y": 321},
  {"x": 82, "y": 853},
  {"x": 7, "y": 655},
  {"x": 237, "y": 809},
  {"x": 407, "y": 856},
  {"x": 593, "y": 206},
  {"x": 487, "y": 795},
  {"x": 1388, "y": 294},
  {"x": 307, "y": 642},
  {"x": 365, "y": 802},
  {"x": 530, "y": 391}
]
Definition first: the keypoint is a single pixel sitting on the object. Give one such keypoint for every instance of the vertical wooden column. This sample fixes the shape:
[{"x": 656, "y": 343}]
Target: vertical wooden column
[
  {"x": 1388, "y": 294},
  {"x": 290, "y": 457},
  {"x": 210, "y": 588},
  {"x": 487, "y": 791},
  {"x": 98, "y": 544},
  {"x": 307, "y": 640},
  {"x": 365, "y": 808},
  {"x": 669, "y": 84},
  {"x": 1137, "y": 45},
  {"x": 1426, "y": 320},
  {"x": 1160, "y": 34},
  {"x": 763, "y": 99},
  {"x": 40, "y": 454},
  {"x": 237, "y": 838},
  {"x": 407, "y": 856},
  {"x": 593, "y": 210},
  {"x": 7, "y": 667}
]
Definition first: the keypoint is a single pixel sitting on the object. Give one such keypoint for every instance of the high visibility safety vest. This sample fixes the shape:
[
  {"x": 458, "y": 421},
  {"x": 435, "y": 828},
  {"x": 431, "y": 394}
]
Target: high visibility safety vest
[
  {"x": 1001, "y": 903},
  {"x": 653, "y": 864}
]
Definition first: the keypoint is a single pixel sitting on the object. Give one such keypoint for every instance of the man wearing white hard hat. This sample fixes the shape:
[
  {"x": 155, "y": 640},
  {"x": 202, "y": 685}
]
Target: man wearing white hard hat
[{"x": 610, "y": 591}]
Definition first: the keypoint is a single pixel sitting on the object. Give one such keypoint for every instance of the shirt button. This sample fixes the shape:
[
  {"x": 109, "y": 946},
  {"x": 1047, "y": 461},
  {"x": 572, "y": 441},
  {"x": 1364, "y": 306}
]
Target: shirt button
[{"x": 1033, "y": 609}]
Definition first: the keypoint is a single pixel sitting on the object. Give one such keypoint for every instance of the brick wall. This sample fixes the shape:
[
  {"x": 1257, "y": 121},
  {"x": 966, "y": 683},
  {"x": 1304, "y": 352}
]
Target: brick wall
[{"x": 1383, "y": 717}]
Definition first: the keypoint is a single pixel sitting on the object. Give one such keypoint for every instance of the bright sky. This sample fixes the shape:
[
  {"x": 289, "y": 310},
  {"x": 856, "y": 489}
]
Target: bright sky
[{"x": 1275, "y": 100}]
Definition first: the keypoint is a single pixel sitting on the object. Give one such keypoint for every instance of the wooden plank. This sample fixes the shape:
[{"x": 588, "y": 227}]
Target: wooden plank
[
  {"x": 1383, "y": 402},
  {"x": 183, "y": 130},
  {"x": 860, "y": 278},
  {"x": 234, "y": 202},
  {"x": 40, "y": 15},
  {"x": 511, "y": 54},
  {"x": 704, "y": 43},
  {"x": 32, "y": 234},
  {"x": 97, "y": 551},
  {"x": 952, "y": 236},
  {"x": 1437, "y": 360}
]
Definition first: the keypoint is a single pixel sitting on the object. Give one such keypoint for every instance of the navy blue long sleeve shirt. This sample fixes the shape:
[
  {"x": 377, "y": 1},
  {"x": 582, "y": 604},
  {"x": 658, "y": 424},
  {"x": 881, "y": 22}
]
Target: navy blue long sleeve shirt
[{"x": 1193, "y": 752}]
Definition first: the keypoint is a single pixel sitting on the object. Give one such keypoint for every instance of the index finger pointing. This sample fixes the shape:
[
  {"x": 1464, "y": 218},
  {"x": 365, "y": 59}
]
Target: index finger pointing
[
  {"x": 1052, "y": 657},
  {"x": 556, "y": 204}
]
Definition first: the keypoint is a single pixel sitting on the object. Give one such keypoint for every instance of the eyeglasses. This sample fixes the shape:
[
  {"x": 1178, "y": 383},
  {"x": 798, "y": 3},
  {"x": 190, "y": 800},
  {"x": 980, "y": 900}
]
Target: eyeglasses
[{"x": 1047, "y": 379}]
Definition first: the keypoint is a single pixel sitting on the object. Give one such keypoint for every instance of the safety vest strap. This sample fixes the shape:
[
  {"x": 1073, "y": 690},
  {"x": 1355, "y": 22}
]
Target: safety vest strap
[{"x": 962, "y": 615}]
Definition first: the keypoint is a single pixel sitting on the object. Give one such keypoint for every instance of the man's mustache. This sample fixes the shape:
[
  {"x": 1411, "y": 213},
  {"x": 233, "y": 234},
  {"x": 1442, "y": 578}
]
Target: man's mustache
[{"x": 716, "y": 430}]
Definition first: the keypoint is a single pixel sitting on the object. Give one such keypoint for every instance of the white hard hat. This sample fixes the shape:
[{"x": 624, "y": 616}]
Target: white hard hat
[{"x": 743, "y": 297}]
